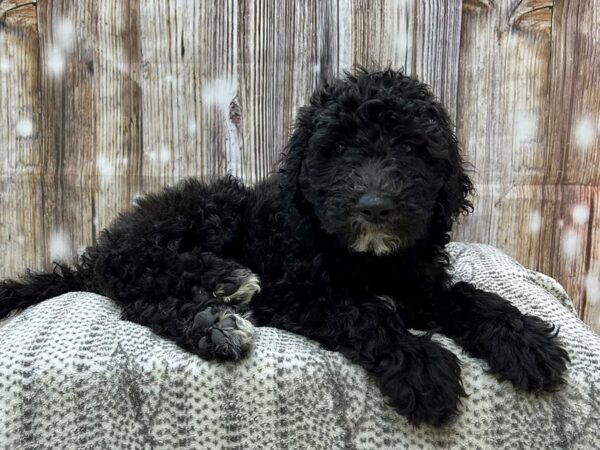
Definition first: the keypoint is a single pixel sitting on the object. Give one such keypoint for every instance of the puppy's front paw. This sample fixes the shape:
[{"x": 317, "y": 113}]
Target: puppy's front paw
[
  {"x": 426, "y": 386},
  {"x": 529, "y": 355},
  {"x": 225, "y": 334},
  {"x": 238, "y": 287}
]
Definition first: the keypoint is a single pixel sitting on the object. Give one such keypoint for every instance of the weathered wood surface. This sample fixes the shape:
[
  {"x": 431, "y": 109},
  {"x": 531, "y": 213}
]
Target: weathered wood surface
[
  {"x": 529, "y": 119},
  {"x": 102, "y": 101}
]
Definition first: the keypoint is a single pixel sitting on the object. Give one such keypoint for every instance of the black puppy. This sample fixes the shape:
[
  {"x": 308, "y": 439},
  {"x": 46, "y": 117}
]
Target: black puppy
[{"x": 347, "y": 242}]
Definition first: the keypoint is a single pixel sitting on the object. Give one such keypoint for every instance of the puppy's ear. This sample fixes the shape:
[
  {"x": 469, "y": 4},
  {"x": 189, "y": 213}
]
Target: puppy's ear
[
  {"x": 292, "y": 163},
  {"x": 457, "y": 189},
  {"x": 453, "y": 198},
  {"x": 292, "y": 166}
]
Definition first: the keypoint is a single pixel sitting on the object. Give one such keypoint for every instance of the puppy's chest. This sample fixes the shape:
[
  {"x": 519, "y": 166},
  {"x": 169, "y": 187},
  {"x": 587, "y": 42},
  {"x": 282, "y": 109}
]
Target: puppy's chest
[{"x": 367, "y": 279}]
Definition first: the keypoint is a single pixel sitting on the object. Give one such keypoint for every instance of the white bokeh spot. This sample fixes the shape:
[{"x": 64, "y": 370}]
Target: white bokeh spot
[
  {"x": 585, "y": 133},
  {"x": 526, "y": 125},
  {"x": 570, "y": 243},
  {"x": 56, "y": 61},
  {"x": 4, "y": 64},
  {"x": 60, "y": 246},
  {"x": 64, "y": 34},
  {"x": 592, "y": 288},
  {"x": 104, "y": 166},
  {"x": 165, "y": 154},
  {"x": 24, "y": 128},
  {"x": 402, "y": 44},
  {"x": 535, "y": 222},
  {"x": 219, "y": 92},
  {"x": 192, "y": 127},
  {"x": 580, "y": 214}
]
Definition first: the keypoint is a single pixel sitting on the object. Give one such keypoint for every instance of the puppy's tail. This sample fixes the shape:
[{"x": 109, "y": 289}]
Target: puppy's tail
[{"x": 34, "y": 288}]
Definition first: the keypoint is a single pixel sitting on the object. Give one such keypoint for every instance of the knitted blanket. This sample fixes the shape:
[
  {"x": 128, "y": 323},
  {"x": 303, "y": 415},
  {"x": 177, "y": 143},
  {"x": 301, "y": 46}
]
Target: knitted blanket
[{"x": 73, "y": 374}]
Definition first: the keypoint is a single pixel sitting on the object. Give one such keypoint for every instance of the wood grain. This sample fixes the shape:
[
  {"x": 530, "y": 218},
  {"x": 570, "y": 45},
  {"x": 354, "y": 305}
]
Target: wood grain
[
  {"x": 22, "y": 238},
  {"x": 423, "y": 38},
  {"x": 103, "y": 101},
  {"x": 528, "y": 117},
  {"x": 573, "y": 153},
  {"x": 503, "y": 121}
]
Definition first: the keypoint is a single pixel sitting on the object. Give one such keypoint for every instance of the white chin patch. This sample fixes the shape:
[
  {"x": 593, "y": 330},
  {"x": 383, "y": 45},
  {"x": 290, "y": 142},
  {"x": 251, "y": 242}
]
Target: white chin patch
[{"x": 376, "y": 242}]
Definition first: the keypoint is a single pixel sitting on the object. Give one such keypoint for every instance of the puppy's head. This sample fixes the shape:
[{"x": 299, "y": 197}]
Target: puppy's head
[{"x": 374, "y": 156}]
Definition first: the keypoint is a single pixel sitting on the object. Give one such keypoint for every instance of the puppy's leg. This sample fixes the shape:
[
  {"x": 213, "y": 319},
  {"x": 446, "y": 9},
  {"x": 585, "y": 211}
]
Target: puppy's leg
[
  {"x": 421, "y": 378},
  {"x": 518, "y": 347},
  {"x": 198, "y": 300}
]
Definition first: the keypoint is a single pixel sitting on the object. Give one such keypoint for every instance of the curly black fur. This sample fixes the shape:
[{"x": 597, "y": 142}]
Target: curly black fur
[{"x": 347, "y": 240}]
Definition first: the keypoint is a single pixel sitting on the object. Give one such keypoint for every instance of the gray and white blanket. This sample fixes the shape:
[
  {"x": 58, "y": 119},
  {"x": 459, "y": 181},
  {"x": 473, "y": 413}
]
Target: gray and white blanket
[{"x": 73, "y": 374}]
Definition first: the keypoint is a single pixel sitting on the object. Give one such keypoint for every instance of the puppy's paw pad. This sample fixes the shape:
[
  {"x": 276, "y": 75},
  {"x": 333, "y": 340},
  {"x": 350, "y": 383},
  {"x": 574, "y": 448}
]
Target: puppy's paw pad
[
  {"x": 204, "y": 319},
  {"x": 238, "y": 287},
  {"x": 229, "y": 337}
]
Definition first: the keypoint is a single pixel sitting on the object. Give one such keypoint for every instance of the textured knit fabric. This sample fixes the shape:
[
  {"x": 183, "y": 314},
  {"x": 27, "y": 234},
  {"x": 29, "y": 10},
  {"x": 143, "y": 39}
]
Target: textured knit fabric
[{"x": 73, "y": 374}]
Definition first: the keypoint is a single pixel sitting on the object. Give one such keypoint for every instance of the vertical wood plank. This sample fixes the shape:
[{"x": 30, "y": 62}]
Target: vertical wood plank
[
  {"x": 22, "y": 238},
  {"x": 591, "y": 281},
  {"x": 568, "y": 240},
  {"x": 436, "y": 53},
  {"x": 190, "y": 90},
  {"x": 21, "y": 227},
  {"x": 573, "y": 157},
  {"x": 421, "y": 37},
  {"x": 574, "y": 114},
  {"x": 503, "y": 89},
  {"x": 383, "y": 33},
  {"x": 115, "y": 64},
  {"x": 69, "y": 140},
  {"x": 502, "y": 119},
  {"x": 286, "y": 50},
  {"x": 19, "y": 83},
  {"x": 530, "y": 130}
]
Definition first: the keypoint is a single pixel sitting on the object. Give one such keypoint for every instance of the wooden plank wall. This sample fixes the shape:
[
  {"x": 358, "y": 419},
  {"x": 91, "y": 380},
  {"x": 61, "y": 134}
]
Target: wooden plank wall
[{"x": 103, "y": 101}]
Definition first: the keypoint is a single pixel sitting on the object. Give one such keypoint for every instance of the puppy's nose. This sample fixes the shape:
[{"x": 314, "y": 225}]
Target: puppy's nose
[{"x": 374, "y": 207}]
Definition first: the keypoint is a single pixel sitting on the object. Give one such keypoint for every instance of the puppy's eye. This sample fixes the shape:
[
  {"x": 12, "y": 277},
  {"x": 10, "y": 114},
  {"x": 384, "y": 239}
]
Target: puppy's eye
[
  {"x": 407, "y": 148},
  {"x": 340, "y": 149}
]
